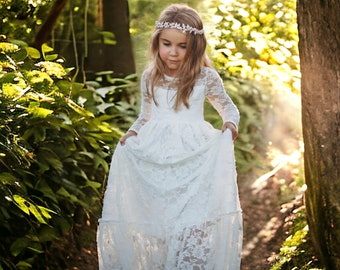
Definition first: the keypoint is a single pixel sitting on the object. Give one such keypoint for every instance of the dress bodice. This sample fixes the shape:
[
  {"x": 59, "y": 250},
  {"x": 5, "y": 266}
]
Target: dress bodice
[
  {"x": 208, "y": 85},
  {"x": 164, "y": 111}
]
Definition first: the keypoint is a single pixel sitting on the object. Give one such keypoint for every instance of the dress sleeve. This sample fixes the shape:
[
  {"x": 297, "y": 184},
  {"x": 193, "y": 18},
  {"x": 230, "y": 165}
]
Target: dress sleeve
[
  {"x": 146, "y": 106},
  {"x": 220, "y": 100}
]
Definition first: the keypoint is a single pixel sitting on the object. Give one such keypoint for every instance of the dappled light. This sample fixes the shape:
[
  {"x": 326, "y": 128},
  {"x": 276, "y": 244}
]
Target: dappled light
[
  {"x": 278, "y": 161},
  {"x": 273, "y": 191},
  {"x": 264, "y": 235}
]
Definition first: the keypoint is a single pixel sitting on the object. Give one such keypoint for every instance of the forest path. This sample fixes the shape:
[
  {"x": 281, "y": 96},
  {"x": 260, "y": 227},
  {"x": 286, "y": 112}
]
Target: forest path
[
  {"x": 268, "y": 203},
  {"x": 270, "y": 195}
]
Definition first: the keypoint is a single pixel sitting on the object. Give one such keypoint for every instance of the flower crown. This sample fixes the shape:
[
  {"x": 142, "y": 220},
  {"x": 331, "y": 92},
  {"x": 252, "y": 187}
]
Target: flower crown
[{"x": 180, "y": 26}]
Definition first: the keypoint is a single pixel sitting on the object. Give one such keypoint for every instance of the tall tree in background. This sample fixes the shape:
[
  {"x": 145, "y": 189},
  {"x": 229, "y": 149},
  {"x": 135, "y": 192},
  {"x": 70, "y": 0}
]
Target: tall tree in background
[
  {"x": 116, "y": 20},
  {"x": 319, "y": 24},
  {"x": 92, "y": 35},
  {"x": 101, "y": 31},
  {"x": 44, "y": 33}
]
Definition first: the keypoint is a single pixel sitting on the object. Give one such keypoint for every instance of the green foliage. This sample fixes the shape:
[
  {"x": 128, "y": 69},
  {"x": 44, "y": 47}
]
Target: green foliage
[
  {"x": 251, "y": 103},
  {"x": 254, "y": 47},
  {"x": 22, "y": 18},
  {"x": 296, "y": 252},
  {"x": 81, "y": 17},
  {"x": 55, "y": 148},
  {"x": 258, "y": 40}
]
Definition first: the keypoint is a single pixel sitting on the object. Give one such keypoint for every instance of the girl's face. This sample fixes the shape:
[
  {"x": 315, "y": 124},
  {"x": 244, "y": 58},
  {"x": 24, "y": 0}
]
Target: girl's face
[{"x": 172, "y": 50}]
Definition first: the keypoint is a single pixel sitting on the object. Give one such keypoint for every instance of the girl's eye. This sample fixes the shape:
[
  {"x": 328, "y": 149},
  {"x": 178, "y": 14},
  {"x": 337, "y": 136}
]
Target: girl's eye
[
  {"x": 183, "y": 46},
  {"x": 166, "y": 44}
]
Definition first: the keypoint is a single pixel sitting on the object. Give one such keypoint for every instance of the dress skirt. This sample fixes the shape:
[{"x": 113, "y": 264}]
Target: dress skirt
[{"x": 172, "y": 201}]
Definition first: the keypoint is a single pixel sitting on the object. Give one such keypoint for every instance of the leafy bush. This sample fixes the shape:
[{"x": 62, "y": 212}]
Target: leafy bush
[
  {"x": 22, "y": 18},
  {"x": 258, "y": 40},
  {"x": 251, "y": 103},
  {"x": 55, "y": 146},
  {"x": 254, "y": 47}
]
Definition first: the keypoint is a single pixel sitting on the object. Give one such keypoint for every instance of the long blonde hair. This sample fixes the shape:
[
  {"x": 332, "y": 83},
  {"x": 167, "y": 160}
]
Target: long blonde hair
[{"x": 195, "y": 57}]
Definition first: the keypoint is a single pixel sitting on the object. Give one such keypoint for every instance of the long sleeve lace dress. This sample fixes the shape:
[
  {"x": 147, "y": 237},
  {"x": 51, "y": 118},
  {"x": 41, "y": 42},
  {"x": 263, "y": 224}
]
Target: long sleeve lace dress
[{"x": 171, "y": 200}]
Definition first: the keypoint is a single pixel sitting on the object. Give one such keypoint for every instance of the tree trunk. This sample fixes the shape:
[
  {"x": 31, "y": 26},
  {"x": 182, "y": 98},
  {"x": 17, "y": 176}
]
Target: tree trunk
[
  {"x": 46, "y": 29},
  {"x": 319, "y": 46},
  {"x": 116, "y": 20}
]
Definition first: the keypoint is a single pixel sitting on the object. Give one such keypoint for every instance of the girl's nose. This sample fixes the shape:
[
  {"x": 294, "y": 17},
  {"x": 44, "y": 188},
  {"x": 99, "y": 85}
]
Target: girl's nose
[{"x": 173, "y": 50}]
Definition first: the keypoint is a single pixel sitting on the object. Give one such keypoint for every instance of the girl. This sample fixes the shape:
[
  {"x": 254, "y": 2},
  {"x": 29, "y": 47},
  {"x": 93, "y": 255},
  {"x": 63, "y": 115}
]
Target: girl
[{"x": 172, "y": 200}]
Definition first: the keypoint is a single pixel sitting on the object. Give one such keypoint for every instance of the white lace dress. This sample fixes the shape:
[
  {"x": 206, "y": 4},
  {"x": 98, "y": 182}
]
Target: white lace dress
[{"x": 172, "y": 199}]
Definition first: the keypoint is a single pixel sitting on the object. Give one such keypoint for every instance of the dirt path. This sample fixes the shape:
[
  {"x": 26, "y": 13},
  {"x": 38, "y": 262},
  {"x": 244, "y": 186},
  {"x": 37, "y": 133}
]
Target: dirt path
[
  {"x": 267, "y": 203},
  {"x": 268, "y": 197}
]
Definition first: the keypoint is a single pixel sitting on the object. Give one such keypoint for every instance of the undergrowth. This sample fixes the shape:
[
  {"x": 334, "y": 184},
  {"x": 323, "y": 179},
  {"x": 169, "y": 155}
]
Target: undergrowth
[{"x": 296, "y": 252}]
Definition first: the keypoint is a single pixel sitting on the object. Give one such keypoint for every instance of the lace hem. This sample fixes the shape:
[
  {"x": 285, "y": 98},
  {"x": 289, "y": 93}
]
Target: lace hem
[{"x": 213, "y": 244}]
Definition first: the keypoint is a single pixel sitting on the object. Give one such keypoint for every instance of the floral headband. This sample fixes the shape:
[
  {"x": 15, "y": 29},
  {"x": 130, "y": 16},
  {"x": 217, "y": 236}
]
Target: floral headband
[{"x": 180, "y": 26}]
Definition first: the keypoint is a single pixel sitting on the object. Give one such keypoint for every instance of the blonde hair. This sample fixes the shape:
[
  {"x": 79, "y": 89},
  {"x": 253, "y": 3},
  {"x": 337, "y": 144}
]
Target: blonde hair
[{"x": 195, "y": 57}]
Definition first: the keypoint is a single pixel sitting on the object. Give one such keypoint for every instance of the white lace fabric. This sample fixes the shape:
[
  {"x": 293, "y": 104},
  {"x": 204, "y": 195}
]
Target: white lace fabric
[
  {"x": 196, "y": 247},
  {"x": 172, "y": 200},
  {"x": 213, "y": 89}
]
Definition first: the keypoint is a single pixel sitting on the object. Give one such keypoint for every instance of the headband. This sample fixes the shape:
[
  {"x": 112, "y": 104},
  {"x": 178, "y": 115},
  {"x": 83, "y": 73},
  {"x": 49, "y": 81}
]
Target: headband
[{"x": 182, "y": 27}]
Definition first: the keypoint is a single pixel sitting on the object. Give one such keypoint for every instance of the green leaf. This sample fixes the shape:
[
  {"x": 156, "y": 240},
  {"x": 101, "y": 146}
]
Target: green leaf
[
  {"x": 94, "y": 185},
  {"x": 67, "y": 87},
  {"x": 48, "y": 157},
  {"x": 20, "y": 55},
  {"x": 39, "y": 134},
  {"x": 46, "y": 190},
  {"x": 18, "y": 42},
  {"x": 62, "y": 224},
  {"x": 22, "y": 203},
  {"x": 23, "y": 265},
  {"x": 7, "y": 77},
  {"x": 48, "y": 234},
  {"x": 38, "y": 112},
  {"x": 33, "y": 52},
  {"x": 46, "y": 212},
  {"x": 36, "y": 250},
  {"x": 19, "y": 245},
  {"x": 36, "y": 213},
  {"x": 51, "y": 57},
  {"x": 52, "y": 69},
  {"x": 43, "y": 167},
  {"x": 11, "y": 90},
  {"x": 63, "y": 192},
  {"x": 101, "y": 162},
  {"x": 41, "y": 80},
  {"x": 78, "y": 109},
  {"x": 28, "y": 207},
  {"x": 7, "y": 178},
  {"x": 46, "y": 49},
  {"x": 8, "y": 47}
]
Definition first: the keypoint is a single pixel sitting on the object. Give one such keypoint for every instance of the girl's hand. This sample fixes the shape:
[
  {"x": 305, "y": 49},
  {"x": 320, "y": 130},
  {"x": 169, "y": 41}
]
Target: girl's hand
[
  {"x": 232, "y": 128},
  {"x": 127, "y": 135}
]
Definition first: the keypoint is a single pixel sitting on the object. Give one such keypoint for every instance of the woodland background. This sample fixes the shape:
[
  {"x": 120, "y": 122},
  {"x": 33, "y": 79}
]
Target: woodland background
[{"x": 69, "y": 73}]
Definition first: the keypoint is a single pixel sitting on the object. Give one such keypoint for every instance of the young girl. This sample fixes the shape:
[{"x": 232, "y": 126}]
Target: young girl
[{"x": 172, "y": 200}]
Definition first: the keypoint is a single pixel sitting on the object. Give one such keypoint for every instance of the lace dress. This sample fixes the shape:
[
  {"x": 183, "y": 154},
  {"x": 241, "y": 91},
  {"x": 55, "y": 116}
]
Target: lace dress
[{"x": 171, "y": 200}]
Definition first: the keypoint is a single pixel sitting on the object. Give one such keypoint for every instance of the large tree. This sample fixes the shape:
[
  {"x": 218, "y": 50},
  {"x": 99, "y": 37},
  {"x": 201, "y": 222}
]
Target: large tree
[
  {"x": 44, "y": 33},
  {"x": 116, "y": 20},
  {"x": 100, "y": 29},
  {"x": 319, "y": 46}
]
